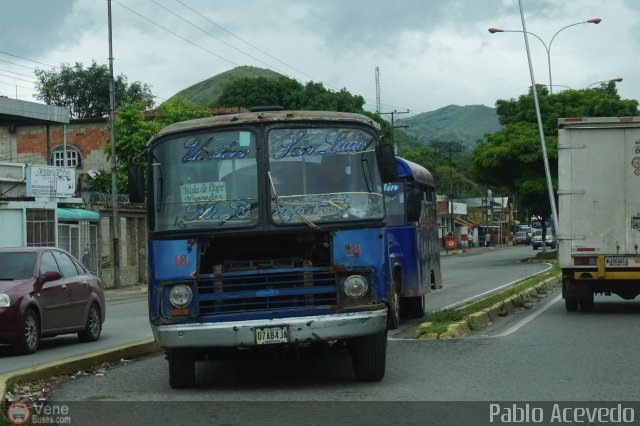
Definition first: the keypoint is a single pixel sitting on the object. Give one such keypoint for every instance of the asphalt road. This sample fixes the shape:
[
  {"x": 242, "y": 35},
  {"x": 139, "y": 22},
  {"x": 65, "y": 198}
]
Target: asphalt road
[
  {"x": 542, "y": 354},
  {"x": 481, "y": 270},
  {"x": 126, "y": 322}
]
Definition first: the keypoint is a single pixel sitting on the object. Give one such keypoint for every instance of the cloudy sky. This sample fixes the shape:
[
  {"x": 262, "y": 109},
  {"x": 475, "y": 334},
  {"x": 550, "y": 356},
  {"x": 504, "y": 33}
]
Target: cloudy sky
[{"x": 430, "y": 53}]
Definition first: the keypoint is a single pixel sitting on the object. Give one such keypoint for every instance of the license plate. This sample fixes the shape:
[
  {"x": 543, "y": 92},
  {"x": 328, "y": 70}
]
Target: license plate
[
  {"x": 616, "y": 261},
  {"x": 272, "y": 335}
]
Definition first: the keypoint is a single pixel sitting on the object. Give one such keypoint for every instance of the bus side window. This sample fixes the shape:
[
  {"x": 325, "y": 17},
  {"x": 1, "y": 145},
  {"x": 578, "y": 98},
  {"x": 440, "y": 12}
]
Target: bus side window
[{"x": 414, "y": 203}]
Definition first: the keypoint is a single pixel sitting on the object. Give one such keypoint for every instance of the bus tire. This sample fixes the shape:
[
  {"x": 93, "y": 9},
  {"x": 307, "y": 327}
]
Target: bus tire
[
  {"x": 393, "y": 312},
  {"x": 368, "y": 356},
  {"x": 413, "y": 306},
  {"x": 182, "y": 368}
]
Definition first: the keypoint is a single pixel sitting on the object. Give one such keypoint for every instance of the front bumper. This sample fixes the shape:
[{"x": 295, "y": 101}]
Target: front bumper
[{"x": 242, "y": 333}]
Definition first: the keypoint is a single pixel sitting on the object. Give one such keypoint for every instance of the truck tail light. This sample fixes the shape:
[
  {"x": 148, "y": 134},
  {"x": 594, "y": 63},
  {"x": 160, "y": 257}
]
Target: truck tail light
[{"x": 585, "y": 261}]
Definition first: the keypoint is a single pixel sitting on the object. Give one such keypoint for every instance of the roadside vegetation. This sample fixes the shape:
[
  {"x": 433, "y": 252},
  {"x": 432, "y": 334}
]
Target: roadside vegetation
[{"x": 438, "y": 322}]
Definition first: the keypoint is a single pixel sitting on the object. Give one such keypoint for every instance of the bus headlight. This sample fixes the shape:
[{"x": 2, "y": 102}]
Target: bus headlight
[
  {"x": 180, "y": 296},
  {"x": 355, "y": 286},
  {"x": 5, "y": 301}
]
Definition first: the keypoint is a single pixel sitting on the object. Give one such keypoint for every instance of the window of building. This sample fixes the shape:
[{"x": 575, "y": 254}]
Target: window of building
[
  {"x": 74, "y": 159},
  {"x": 41, "y": 227}
]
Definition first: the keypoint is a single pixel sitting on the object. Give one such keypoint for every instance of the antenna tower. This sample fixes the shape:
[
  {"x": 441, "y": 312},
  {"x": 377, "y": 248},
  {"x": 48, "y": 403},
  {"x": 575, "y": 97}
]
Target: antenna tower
[{"x": 378, "y": 90}]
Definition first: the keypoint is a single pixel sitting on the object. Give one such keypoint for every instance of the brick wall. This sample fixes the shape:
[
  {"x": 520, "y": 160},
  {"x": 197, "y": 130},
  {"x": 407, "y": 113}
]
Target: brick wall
[{"x": 89, "y": 137}]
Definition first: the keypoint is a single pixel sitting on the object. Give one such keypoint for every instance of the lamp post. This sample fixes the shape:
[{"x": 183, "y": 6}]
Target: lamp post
[
  {"x": 617, "y": 80},
  {"x": 451, "y": 148},
  {"x": 547, "y": 47}
]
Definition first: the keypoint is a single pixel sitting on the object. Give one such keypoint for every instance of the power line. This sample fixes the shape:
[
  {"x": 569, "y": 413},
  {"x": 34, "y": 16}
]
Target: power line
[
  {"x": 26, "y": 59},
  {"x": 176, "y": 34},
  {"x": 15, "y": 78},
  {"x": 208, "y": 33},
  {"x": 17, "y": 65},
  {"x": 247, "y": 43}
]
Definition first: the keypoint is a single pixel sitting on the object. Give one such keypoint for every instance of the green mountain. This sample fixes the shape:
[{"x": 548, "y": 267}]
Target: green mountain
[
  {"x": 207, "y": 91},
  {"x": 452, "y": 123}
]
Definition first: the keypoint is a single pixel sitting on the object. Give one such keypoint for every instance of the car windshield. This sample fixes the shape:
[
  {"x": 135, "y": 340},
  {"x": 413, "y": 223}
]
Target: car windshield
[{"x": 17, "y": 265}]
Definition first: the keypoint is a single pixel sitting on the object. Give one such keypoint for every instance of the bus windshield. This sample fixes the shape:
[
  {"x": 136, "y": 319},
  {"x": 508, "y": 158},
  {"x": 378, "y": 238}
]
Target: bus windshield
[
  {"x": 323, "y": 174},
  {"x": 207, "y": 179}
]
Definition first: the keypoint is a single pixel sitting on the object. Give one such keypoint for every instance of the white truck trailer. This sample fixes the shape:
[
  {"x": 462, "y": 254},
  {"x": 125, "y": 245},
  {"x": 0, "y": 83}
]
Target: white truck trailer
[{"x": 598, "y": 208}]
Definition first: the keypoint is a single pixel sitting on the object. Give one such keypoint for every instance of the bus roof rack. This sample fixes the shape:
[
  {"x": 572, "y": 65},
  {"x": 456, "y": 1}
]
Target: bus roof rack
[{"x": 266, "y": 108}]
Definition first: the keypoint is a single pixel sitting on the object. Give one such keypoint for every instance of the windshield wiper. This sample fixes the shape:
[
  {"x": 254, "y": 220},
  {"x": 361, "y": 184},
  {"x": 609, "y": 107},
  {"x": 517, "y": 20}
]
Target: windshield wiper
[{"x": 294, "y": 211}]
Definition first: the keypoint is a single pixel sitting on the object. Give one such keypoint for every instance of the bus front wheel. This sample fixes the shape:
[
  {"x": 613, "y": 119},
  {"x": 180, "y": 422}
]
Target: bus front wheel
[
  {"x": 182, "y": 368},
  {"x": 368, "y": 356}
]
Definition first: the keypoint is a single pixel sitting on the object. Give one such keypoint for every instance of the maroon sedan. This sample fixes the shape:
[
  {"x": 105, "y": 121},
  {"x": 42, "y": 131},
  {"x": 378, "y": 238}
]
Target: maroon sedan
[{"x": 44, "y": 291}]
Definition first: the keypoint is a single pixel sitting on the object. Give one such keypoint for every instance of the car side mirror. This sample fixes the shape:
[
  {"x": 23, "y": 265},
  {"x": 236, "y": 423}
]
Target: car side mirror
[{"x": 50, "y": 276}]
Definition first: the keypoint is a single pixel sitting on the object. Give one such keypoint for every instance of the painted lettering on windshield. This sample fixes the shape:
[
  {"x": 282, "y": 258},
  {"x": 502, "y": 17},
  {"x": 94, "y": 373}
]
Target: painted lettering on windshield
[
  {"x": 218, "y": 211},
  {"x": 198, "y": 149},
  {"x": 295, "y": 143}
]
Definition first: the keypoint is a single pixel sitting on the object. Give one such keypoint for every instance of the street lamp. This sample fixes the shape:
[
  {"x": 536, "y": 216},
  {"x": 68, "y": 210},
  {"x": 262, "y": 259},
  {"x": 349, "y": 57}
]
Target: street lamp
[
  {"x": 617, "y": 80},
  {"x": 547, "y": 47}
]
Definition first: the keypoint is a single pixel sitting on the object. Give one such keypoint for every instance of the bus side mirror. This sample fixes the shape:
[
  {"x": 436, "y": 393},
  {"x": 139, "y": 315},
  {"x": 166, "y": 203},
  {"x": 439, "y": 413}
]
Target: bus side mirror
[
  {"x": 414, "y": 204},
  {"x": 386, "y": 159},
  {"x": 135, "y": 184}
]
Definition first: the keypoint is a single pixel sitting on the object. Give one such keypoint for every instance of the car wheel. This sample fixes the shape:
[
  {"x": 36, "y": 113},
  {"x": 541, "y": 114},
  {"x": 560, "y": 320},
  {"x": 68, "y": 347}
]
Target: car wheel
[
  {"x": 93, "y": 328},
  {"x": 29, "y": 338}
]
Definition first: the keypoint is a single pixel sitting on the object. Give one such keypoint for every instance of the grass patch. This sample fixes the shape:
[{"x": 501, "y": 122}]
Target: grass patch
[
  {"x": 442, "y": 319},
  {"x": 546, "y": 255}
]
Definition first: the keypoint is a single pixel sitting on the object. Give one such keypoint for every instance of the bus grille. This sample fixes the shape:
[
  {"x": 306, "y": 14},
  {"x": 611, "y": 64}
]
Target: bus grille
[{"x": 266, "y": 291}]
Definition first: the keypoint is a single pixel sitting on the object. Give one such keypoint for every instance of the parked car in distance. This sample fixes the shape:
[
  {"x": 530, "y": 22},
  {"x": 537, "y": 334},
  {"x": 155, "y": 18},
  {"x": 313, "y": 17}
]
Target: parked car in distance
[
  {"x": 536, "y": 239},
  {"x": 45, "y": 291}
]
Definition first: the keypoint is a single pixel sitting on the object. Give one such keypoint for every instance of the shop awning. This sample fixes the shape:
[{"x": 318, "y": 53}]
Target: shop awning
[{"x": 74, "y": 215}]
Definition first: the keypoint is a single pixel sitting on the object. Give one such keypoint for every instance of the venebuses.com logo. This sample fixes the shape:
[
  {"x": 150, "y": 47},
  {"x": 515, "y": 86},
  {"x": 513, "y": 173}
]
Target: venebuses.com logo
[{"x": 19, "y": 413}]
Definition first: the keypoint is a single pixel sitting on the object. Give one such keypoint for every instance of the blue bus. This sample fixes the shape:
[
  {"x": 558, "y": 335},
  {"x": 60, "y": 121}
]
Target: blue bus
[
  {"x": 267, "y": 231},
  {"x": 412, "y": 229}
]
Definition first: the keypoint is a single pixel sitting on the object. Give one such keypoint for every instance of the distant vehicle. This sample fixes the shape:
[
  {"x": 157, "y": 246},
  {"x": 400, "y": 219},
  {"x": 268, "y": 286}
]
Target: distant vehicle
[
  {"x": 598, "y": 208},
  {"x": 536, "y": 239},
  {"x": 521, "y": 237},
  {"x": 45, "y": 291}
]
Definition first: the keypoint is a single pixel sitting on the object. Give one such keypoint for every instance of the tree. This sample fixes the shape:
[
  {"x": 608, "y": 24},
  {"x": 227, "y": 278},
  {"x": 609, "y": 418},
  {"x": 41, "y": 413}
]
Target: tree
[
  {"x": 511, "y": 158},
  {"x": 134, "y": 127},
  {"x": 85, "y": 92},
  {"x": 287, "y": 93}
]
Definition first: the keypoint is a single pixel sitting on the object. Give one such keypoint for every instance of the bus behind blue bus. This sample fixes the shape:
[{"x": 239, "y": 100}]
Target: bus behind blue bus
[{"x": 412, "y": 230}]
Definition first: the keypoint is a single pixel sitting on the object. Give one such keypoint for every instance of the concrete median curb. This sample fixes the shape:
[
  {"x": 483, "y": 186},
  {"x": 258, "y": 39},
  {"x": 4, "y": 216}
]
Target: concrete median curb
[
  {"x": 71, "y": 365},
  {"x": 480, "y": 319}
]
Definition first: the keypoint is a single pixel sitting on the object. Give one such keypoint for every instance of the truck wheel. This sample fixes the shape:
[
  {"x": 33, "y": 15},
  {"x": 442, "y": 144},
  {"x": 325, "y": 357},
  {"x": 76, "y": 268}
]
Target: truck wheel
[
  {"x": 571, "y": 305},
  {"x": 182, "y": 368},
  {"x": 368, "y": 356},
  {"x": 586, "y": 305}
]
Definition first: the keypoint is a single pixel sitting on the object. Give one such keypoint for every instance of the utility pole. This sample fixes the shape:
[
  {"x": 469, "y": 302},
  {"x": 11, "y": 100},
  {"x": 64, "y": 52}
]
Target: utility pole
[
  {"x": 115, "y": 224},
  {"x": 393, "y": 114},
  {"x": 452, "y": 147}
]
